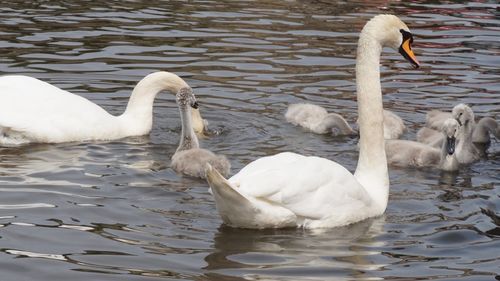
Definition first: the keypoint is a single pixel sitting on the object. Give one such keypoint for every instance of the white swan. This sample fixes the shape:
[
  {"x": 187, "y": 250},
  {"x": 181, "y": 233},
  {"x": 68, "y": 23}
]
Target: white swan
[
  {"x": 290, "y": 190},
  {"x": 35, "y": 111},
  {"x": 190, "y": 159},
  {"x": 404, "y": 153},
  {"x": 485, "y": 127},
  {"x": 466, "y": 152},
  {"x": 316, "y": 119}
]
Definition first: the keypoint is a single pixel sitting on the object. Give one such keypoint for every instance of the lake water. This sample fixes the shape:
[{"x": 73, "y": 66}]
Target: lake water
[{"x": 116, "y": 211}]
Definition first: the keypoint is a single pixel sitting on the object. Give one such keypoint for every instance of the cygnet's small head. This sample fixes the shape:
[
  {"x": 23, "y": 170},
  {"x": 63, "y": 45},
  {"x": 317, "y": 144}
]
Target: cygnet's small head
[
  {"x": 450, "y": 130},
  {"x": 463, "y": 114},
  {"x": 185, "y": 97},
  {"x": 391, "y": 32}
]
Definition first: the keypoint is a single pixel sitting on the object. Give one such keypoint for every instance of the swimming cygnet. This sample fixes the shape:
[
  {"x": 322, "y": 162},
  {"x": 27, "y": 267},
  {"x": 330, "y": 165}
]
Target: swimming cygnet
[
  {"x": 467, "y": 152},
  {"x": 406, "y": 153},
  {"x": 482, "y": 130},
  {"x": 189, "y": 158},
  {"x": 317, "y": 120}
]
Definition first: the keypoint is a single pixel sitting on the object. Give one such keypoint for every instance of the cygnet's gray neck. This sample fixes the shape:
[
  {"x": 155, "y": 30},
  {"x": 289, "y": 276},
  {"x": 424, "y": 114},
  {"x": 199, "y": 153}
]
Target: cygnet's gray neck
[{"x": 188, "y": 136}]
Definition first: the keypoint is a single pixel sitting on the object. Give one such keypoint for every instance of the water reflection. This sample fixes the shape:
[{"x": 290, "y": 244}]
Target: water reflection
[{"x": 343, "y": 251}]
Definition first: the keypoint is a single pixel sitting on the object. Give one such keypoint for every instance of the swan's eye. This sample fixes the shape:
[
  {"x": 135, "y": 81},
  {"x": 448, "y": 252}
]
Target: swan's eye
[
  {"x": 406, "y": 35},
  {"x": 405, "y": 48}
]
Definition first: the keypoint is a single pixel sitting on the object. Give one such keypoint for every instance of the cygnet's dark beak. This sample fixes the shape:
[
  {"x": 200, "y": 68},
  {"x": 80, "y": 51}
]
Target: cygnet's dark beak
[
  {"x": 450, "y": 145},
  {"x": 194, "y": 105}
]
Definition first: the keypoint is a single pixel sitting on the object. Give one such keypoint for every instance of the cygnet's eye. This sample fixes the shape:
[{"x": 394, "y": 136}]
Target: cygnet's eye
[{"x": 194, "y": 104}]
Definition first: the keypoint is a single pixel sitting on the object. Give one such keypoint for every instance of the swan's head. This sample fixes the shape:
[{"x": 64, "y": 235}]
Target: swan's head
[
  {"x": 391, "y": 32},
  {"x": 450, "y": 131},
  {"x": 185, "y": 97},
  {"x": 463, "y": 114}
]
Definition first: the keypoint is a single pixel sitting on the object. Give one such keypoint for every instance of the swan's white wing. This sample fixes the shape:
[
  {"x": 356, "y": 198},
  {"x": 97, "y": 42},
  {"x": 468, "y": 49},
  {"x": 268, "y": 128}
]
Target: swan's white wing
[
  {"x": 40, "y": 110},
  {"x": 310, "y": 187}
]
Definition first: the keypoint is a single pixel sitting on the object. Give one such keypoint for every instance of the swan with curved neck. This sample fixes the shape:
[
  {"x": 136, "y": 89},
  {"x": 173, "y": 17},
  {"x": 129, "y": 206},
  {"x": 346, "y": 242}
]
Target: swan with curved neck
[
  {"x": 292, "y": 190},
  {"x": 189, "y": 159},
  {"x": 34, "y": 111}
]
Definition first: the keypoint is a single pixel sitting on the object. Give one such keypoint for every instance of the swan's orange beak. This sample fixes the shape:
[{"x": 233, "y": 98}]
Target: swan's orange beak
[{"x": 407, "y": 53}]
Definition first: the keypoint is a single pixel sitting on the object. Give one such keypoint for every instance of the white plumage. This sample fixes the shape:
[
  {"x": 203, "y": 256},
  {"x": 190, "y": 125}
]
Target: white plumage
[
  {"x": 290, "y": 190},
  {"x": 34, "y": 111}
]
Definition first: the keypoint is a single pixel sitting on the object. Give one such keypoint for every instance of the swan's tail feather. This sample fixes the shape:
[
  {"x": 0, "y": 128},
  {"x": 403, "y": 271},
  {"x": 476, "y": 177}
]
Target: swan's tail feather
[
  {"x": 234, "y": 208},
  {"x": 221, "y": 186}
]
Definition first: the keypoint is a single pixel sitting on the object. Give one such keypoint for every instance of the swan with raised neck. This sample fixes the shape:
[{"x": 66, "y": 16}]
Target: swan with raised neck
[
  {"x": 372, "y": 169},
  {"x": 289, "y": 189}
]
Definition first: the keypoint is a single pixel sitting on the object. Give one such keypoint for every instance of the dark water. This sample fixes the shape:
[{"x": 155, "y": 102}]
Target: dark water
[{"x": 116, "y": 211}]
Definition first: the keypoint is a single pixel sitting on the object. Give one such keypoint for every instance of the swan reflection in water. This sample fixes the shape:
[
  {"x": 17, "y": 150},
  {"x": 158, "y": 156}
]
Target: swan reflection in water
[{"x": 346, "y": 250}]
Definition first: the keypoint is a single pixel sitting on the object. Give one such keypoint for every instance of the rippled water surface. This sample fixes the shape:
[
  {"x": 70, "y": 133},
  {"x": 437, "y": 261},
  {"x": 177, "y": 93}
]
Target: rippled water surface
[{"x": 116, "y": 211}]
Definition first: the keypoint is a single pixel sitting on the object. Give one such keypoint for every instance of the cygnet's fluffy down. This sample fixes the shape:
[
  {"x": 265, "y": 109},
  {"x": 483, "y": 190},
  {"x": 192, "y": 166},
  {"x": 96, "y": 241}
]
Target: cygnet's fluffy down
[
  {"x": 406, "y": 153},
  {"x": 467, "y": 151},
  {"x": 192, "y": 162},
  {"x": 394, "y": 127},
  {"x": 434, "y": 119},
  {"x": 484, "y": 128},
  {"x": 481, "y": 130},
  {"x": 317, "y": 120},
  {"x": 430, "y": 137}
]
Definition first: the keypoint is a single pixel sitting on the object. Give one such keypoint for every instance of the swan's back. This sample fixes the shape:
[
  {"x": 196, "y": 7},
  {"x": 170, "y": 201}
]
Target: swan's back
[
  {"x": 41, "y": 112},
  {"x": 315, "y": 190}
]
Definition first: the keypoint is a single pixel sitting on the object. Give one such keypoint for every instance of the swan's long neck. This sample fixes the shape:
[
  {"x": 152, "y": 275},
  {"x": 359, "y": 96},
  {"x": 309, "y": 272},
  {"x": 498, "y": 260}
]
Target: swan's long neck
[
  {"x": 188, "y": 137},
  {"x": 138, "y": 116},
  {"x": 371, "y": 171}
]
